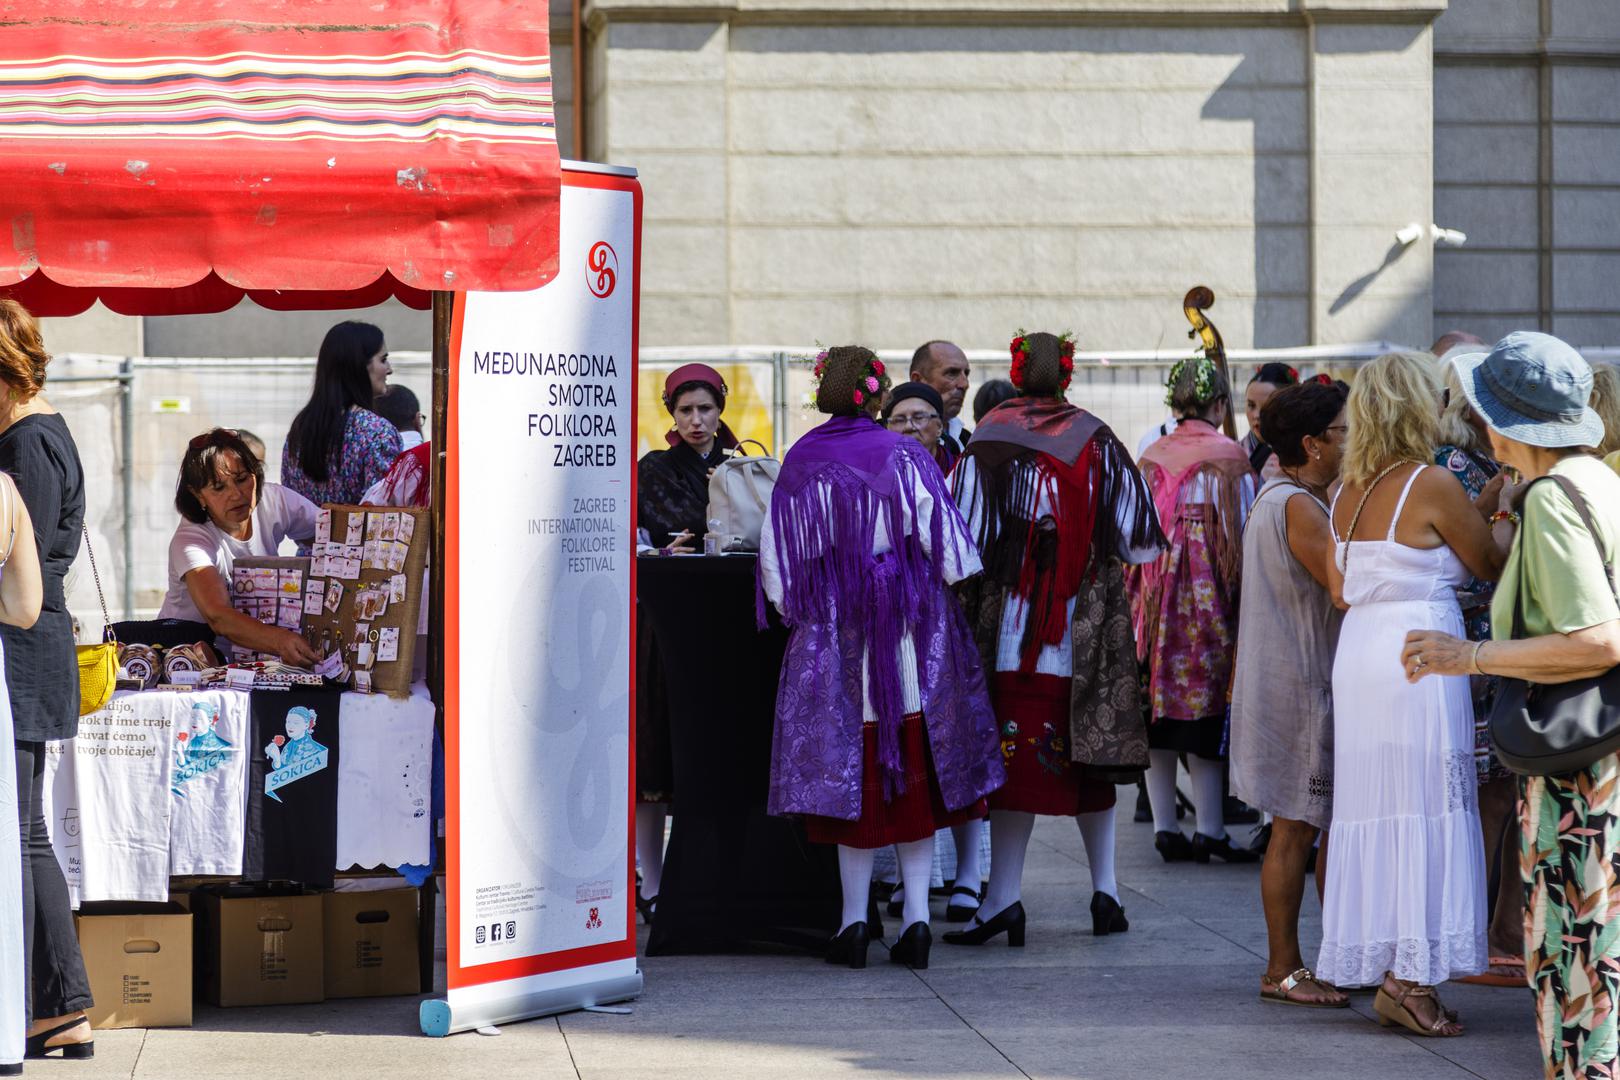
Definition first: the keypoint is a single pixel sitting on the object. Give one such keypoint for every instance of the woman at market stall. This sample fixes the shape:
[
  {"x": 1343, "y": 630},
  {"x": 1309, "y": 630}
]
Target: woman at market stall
[
  {"x": 1554, "y": 619},
  {"x": 230, "y": 512},
  {"x": 1186, "y": 606},
  {"x": 884, "y": 730},
  {"x": 42, "y": 674},
  {"x": 916, "y": 409},
  {"x": 672, "y": 509},
  {"x": 337, "y": 446}
]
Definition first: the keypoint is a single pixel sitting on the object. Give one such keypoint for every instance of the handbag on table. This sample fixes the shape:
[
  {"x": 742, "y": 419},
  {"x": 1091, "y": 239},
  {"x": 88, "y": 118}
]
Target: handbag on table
[
  {"x": 98, "y": 664},
  {"x": 740, "y": 497},
  {"x": 1543, "y": 729}
]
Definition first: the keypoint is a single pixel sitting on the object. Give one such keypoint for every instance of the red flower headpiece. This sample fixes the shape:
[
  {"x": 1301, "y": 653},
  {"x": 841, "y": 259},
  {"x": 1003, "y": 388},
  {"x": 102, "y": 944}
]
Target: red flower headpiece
[
  {"x": 866, "y": 387},
  {"x": 1020, "y": 358}
]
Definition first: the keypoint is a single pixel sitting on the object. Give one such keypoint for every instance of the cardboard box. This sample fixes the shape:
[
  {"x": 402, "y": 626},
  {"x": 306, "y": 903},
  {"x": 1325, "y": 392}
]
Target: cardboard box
[
  {"x": 138, "y": 958},
  {"x": 371, "y": 947},
  {"x": 260, "y": 949}
]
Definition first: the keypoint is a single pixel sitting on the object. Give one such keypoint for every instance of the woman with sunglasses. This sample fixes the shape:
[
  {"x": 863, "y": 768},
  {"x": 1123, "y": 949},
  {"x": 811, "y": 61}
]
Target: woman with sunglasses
[
  {"x": 230, "y": 512},
  {"x": 916, "y": 409}
]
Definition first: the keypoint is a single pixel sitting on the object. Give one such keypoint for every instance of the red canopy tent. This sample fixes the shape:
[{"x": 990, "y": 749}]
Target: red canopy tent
[{"x": 170, "y": 158}]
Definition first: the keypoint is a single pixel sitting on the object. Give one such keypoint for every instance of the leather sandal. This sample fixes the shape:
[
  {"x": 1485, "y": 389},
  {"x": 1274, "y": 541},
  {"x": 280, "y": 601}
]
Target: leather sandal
[
  {"x": 1394, "y": 1010},
  {"x": 37, "y": 1046},
  {"x": 1282, "y": 993}
]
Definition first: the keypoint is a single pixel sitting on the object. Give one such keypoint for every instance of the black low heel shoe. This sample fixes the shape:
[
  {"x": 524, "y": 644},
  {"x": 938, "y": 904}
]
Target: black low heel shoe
[
  {"x": 912, "y": 948},
  {"x": 11, "y": 1070},
  {"x": 74, "y": 1051},
  {"x": 1009, "y": 921},
  {"x": 955, "y": 912},
  {"x": 1107, "y": 917},
  {"x": 1205, "y": 846},
  {"x": 850, "y": 946},
  {"x": 1173, "y": 846}
]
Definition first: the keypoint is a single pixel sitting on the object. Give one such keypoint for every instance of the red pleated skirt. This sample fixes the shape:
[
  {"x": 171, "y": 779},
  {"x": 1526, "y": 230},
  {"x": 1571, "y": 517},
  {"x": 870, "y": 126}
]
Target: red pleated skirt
[
  {"x": 1032, "y": 712},
  {"x": 914, "y": 814}
]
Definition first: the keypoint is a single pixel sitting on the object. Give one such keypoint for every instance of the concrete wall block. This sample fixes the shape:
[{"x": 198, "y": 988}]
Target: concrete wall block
[
  {"x": 1586, "y": 217},
  {"x": 1509, "y": 23},
  {"x": 1584, "y": 19},
  {"x": 1054, "y": 56},
  {"x": 1490, "y": 93},
  {"x": 1585, "y": 155},
  {"x": 1352, "y": 54},
  {"x": 1485, "y": 281},
  {"x": 672, "y": 116},
  {"x": 1588, "y": 331},
  {"x": 1493, "y": 217},
  {"x": 1407, "y": 320},
  {"x": 684, "y": 187},
  {"x": 1237, "y": 262},
  {"x": 1381, "y": 191},
  {"x": 987, "y": 321},
  {"x": 870, "y": 120},
  {"x": 1018, "y": 190},
  {"x": 1277, "y": 323},
  {"x": 801, "y": 321},
  {"x": 1372, "y": 119},
  {"x": 684, "y": 258},
  {"x": 1587, "y": 92},
  {"x": 1586, "y": 282},
  {"x": 796, "y": 261},
  {"x": 667, "y": 52},
  {"x": 1353, "y": 262},
  {"x": 684, "y": 319},
  {"x": 1490, "y": 325},
  {"x": 1480, "y": 153}
]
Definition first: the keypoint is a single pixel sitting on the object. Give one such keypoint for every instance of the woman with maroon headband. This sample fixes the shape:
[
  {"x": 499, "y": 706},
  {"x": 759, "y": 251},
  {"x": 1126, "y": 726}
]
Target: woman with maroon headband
[{"x": 672, "y": 508}]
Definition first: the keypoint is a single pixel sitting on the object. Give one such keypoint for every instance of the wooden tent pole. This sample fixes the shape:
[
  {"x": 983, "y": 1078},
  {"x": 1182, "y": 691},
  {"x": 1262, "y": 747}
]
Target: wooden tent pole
[{"x": 427, "y": 924}]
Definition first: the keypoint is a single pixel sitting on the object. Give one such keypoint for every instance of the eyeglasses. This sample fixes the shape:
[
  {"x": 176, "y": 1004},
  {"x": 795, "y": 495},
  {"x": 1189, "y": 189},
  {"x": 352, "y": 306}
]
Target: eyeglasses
[
  {"x": 1336, "y": 427},
  {"x": 918, "y": 421},
  {"x": 208, "y": 438}
]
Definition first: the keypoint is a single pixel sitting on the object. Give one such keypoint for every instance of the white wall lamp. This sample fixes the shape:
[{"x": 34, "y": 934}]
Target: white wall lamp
[{"x": 1413, "y": 232}]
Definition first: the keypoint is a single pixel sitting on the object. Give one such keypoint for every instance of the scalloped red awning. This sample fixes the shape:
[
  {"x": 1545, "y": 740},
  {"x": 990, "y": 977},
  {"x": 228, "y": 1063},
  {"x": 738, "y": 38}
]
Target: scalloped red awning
[{"x": 304, "y": 153}]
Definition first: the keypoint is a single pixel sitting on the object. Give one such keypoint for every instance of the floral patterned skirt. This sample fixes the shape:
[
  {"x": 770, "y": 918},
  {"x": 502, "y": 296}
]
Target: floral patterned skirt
[
  {"x": 1032, "y": 712},
  {"x": 1191, "y": 656},
  {"x": 1570, "y": 858}
]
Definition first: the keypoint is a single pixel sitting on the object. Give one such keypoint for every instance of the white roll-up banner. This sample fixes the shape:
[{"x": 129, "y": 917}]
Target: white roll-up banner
[{"x": 540, "y": 611}]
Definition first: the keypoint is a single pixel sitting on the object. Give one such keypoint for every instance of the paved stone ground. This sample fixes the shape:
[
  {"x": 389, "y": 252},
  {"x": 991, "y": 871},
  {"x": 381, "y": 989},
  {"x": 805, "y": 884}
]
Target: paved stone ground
[{"x": 1175, "y": 997}]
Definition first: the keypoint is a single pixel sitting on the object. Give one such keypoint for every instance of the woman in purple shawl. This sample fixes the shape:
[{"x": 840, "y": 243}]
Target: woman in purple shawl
[{"x": 884, "y": 730}]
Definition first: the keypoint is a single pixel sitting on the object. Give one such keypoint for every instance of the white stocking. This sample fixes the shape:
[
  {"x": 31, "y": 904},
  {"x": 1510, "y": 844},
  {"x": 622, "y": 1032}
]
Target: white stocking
[
  {"x": 1009, "y": 842},
  {"x": 1097, "y": 832},
  {"x": 650, "y": 845},
  {"x": 1161, "y": 789},
  {"x": 916, "y": 870},
  {"x": 968, "y": 869},
  {"x": 855, "y": 871},
  {"x": 1207, "y": 797}
]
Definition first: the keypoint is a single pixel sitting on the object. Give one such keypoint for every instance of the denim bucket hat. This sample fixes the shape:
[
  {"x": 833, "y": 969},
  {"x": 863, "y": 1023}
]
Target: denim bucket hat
[{"x": 1532, "y": 388}]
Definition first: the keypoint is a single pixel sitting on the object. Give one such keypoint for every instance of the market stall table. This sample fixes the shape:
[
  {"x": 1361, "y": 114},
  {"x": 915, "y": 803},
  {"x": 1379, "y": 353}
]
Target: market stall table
[{"x": 732, "y": 873}]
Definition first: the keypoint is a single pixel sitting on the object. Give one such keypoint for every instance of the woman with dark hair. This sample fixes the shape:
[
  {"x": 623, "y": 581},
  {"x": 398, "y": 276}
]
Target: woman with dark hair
[
  {"x": 1282, "y": 688},
  {"x": 1267, "y": 380},
  {"x": 337, "y": 446},
  {"x": 672, "y": 509},
  {"x": 42, "y": 675},
  {"x": 230, "y": 512},
  {"x": 1186, "y": 606},
  {"x": 991, "y": 394},
  {"x": 884, "y": 731}
]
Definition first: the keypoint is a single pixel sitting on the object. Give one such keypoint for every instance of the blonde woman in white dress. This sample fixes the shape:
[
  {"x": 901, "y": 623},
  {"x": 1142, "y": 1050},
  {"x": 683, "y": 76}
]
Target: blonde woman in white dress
[
  {"x": 21, "y": 593},
  {"x": 1404, "y": 907}
]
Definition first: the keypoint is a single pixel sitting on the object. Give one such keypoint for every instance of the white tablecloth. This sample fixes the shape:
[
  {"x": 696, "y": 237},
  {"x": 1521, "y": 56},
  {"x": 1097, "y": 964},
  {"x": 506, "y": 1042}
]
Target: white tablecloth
[{"x": 129, "y": 802}]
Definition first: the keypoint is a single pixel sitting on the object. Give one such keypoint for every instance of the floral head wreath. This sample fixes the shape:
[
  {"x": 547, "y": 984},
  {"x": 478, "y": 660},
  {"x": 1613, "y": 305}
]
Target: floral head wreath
[
  {"x": 1203, "y": 378},
  {"x": 866, "y": 387},
  {"x": 1020, "y": 358}
]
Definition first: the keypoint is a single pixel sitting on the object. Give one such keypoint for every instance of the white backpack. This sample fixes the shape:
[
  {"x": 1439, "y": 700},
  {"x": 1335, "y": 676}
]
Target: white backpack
[{"x": 740, "y": 497}]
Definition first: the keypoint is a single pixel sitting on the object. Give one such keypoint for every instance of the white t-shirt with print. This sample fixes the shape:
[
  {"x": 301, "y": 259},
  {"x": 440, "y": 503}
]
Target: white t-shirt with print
[{"x": 280, "y": 514}]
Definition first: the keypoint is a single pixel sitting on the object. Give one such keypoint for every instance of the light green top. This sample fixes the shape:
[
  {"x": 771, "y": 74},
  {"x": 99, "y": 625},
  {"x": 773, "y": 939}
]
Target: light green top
[{"x": 1566, "y": 584}]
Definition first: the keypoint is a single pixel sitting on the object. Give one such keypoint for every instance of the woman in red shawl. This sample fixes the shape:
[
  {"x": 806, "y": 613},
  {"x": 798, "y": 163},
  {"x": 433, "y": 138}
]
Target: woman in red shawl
[{"x": 1186, "y": 606}]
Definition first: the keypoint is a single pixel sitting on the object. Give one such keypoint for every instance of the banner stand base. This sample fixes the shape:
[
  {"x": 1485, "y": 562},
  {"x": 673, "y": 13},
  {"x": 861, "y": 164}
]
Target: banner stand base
[{"x": 440, "y": 1017}]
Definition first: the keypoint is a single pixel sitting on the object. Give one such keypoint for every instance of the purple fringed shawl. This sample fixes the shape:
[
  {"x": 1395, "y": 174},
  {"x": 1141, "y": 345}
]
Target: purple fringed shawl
[{"x": 845, "y": 603}]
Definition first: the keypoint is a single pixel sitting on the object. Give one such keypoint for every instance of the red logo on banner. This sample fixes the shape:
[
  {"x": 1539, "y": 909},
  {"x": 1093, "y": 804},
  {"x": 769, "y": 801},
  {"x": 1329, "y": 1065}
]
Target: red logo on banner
[
  {"x": 602, "y": 269},
  {"x": 594, "y": 920}
]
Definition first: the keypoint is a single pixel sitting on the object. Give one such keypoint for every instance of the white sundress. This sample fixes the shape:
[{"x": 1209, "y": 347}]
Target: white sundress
[{"x": 1406, "y": 860}]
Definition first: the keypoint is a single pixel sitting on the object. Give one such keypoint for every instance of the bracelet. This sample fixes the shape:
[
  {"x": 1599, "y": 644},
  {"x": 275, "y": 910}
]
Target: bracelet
[
  {"x": 1474, "y": 661},
  {"x": 1505, "y": 515}
]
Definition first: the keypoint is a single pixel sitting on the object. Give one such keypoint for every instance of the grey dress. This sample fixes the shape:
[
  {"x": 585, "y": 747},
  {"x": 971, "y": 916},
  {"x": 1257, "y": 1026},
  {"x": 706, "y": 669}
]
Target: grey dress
[{"x": 1282, "y": 693}]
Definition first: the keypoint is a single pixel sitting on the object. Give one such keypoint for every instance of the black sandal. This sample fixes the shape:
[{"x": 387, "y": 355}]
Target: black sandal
[{"x": 36, "y": 1046}]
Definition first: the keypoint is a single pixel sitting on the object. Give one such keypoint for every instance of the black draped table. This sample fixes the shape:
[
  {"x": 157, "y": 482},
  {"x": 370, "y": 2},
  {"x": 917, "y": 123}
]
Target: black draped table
[{"x": 733, "y": 875}]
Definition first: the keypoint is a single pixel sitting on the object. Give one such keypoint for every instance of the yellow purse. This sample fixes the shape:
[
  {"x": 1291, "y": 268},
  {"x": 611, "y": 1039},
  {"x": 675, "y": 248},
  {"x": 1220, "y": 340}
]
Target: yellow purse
[{"x": 98, "y": 664}]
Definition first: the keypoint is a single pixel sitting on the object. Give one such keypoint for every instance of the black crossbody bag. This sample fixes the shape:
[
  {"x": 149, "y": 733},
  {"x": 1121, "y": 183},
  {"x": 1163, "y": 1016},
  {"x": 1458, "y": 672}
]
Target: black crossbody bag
[{"x": 1544, "y": 729}]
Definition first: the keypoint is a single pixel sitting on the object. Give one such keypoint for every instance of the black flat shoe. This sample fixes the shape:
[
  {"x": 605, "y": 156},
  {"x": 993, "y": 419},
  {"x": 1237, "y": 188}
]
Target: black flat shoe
[
  {"x": 1009, "y": 921},
  {"x": 1238, "y": 812},
  {"x": 955, "y": 912},
  {"x": 1107, "y": 917},
  {"x": 850, "y": 946},
  {"x": 14, "y": 1069},
  {"x": 73, "y": 1051},
  {"x": 1205, "y": 846},
  {"x": 646, "y": 905},
  {"x": 1173, "y": 846},
  {"x": 912, "y": 948}
]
